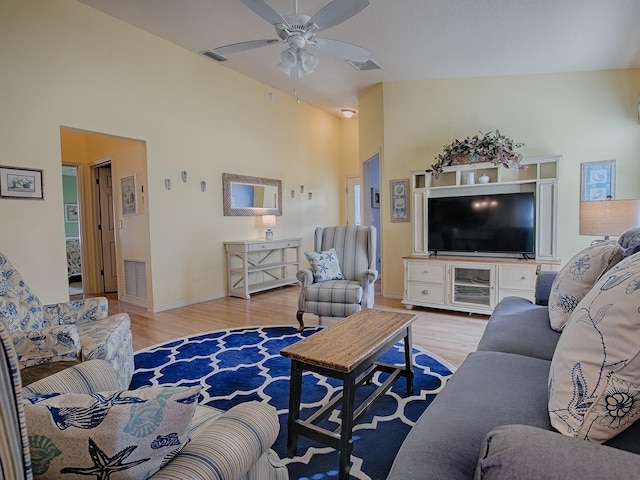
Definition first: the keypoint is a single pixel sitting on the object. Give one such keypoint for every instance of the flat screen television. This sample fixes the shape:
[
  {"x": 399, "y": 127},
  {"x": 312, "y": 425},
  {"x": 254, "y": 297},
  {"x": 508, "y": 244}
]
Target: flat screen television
[{"x": 489, "y": 224}]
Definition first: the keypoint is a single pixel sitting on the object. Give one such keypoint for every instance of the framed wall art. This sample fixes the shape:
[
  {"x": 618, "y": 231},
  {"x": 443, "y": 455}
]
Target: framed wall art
[
  {"x": 598, "y": 180},
  {"x": 400, "y": 200},
  {"x": 375, "y": 197},
  {"x": 70, "y": 212},
  {"x": 128, "y": 192},
  {"x": 21, "y": 183}
]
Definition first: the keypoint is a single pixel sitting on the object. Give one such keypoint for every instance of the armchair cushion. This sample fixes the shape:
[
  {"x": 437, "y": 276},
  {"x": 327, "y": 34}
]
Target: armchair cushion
[
  {"x": 335, "y": 291},
  {"x": 45, "y": 345},
  {"x": 133, "y": 433},
  {"x": 324, "y": 265}
]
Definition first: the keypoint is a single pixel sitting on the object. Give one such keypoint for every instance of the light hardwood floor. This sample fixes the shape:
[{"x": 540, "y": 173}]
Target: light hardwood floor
[{"x": 449, "y": 335}]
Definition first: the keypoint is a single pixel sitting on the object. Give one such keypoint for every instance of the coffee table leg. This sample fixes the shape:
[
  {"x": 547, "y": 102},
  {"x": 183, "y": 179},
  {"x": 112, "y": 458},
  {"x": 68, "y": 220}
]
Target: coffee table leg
[
  {"x": 408, "y": 360},
  {"x": 294, "y": 407},
  {"x": 346, "y": 430}
]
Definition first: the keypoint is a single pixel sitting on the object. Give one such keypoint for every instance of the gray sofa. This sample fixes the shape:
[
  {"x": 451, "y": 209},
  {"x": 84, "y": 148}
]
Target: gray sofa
[{"x": 491, "y": 419}]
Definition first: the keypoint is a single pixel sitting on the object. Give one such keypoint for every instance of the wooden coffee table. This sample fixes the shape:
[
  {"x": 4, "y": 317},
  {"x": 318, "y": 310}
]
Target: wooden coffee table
[{"x": 346, "y": 350}]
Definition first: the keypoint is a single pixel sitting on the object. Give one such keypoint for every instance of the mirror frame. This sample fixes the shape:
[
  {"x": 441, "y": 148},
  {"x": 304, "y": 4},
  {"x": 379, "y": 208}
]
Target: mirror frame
[{"x": 229, "y": 178}]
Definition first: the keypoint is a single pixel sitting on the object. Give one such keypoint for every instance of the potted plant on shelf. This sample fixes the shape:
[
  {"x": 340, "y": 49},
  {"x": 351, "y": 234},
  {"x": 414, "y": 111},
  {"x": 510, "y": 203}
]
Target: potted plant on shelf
[{"x": 491, "y": 147}]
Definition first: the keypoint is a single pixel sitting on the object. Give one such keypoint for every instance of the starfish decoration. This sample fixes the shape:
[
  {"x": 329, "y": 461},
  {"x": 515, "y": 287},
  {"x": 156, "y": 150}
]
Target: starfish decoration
[{"x": 103, "y": 466}]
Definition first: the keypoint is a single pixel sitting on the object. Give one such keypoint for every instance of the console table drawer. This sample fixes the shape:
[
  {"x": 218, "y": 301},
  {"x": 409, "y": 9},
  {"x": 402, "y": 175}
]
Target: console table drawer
[
  {"x": 256, "y": 247},
  {"x": 425, "y": 293},
  {"x": 426, "y": 271},
  {"x": 517, "y": 278}
]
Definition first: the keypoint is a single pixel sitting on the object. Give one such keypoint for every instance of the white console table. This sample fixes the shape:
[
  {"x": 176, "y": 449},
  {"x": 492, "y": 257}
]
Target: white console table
[{"x": 258, "y": 265}]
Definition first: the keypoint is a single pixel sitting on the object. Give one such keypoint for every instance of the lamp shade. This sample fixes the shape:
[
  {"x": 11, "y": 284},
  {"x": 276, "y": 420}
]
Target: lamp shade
[
  {"x": 609, "y": 217},
  {"x": 269, "y": 221}
]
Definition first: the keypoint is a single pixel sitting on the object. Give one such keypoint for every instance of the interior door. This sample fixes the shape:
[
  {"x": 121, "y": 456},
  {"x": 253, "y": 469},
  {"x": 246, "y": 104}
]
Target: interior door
[
  {"x": 352, "y": 196},
  {"x": 107, "y": 230}
]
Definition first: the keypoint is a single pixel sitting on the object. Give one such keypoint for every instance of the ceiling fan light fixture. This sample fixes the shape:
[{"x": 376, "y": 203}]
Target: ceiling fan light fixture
[
  {"x": 348, "y": 112},
  {"x": 289, "y": 57},
  {"x": 308, "y": 62}
]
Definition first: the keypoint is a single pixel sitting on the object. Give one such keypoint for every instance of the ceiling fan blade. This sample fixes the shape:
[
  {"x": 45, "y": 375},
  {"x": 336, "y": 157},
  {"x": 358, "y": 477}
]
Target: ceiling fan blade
[
  {"x": 260, "y": 8},
  {"x": 244, "y": 46},
  {"x": 344, "y": 50},
  {"x": 336, "y": 12}
]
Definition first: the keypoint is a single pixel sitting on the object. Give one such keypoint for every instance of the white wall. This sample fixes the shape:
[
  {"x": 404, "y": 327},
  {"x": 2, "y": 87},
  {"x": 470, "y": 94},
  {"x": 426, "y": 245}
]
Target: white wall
[{"x": 67, "y": 65}]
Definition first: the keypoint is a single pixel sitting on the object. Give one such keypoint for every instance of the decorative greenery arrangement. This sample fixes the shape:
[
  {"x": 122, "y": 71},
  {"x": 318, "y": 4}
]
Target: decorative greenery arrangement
[{"x": 491, "y": 147}]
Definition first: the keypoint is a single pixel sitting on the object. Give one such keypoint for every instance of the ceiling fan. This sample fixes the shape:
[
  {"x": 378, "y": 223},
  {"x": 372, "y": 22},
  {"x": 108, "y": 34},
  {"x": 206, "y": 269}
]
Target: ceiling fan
[{"x": 299, "y": 31}]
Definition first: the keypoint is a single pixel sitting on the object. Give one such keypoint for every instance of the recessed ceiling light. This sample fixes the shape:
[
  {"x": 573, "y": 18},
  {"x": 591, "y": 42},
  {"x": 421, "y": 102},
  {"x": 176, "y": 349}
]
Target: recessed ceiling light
[{"x": 348, "y": 112}]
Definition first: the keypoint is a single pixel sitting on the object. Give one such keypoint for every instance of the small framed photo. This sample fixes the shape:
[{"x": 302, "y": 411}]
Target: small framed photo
[
  {"x": 129, "y": 198},
  {"x": 70, "y": 212},
  {"x": 399, "y": 200},
  {"x": 375, "y": 198},
  {"x": 598, "y": 180},
  {"x": 21, "y": 183}
]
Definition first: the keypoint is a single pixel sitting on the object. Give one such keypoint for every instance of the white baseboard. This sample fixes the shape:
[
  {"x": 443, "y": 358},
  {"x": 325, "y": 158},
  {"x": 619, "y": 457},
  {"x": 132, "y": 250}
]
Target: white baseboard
[
  {"x": 186, "y": 302},
  {"x": 396, "y": 295}
]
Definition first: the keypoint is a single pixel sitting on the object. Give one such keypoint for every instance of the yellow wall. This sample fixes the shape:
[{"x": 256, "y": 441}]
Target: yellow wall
[
  {"x": 67, "y": 65},
  {"x": 584, "y": 117}
]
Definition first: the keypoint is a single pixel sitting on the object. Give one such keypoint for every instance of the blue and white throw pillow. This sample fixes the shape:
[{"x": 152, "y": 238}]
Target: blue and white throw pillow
[
  {"x": 324, "y": 265},
  {"x": 116, "y": 435},
  {"x": 594, "y": 380},
  {"x": 577, "y": 277}
]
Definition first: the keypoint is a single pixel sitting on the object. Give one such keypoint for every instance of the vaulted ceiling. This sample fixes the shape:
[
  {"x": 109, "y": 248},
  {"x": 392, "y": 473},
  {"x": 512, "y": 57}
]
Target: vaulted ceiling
[{"x": 409, "y": 39}]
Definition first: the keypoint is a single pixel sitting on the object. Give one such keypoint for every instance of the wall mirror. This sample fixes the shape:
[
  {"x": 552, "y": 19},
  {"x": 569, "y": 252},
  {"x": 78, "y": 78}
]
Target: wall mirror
[{"x": 251, "y": 196}]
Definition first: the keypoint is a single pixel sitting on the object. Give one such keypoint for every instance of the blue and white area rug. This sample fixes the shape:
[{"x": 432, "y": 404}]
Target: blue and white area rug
[{"x": 235, "y": 366}]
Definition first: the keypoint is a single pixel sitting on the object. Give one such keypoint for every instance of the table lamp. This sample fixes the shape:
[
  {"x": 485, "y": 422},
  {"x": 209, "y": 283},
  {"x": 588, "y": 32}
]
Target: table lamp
[
  {"x": 609, "y": 217},
  {"x": 268, "y": 221}
]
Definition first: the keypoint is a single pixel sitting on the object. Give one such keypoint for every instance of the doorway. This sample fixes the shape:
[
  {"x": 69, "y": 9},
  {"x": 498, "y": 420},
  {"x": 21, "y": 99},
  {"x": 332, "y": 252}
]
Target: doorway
[
  {"x": 352, "y": 201},
  {"x": 72, "y": 228},
  {"x": 371, "y": 171},
  {"x": 106, "y": 226}
]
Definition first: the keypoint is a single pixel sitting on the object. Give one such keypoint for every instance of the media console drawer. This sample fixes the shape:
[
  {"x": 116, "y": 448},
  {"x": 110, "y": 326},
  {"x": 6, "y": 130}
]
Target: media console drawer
[
  {"x": 418, "y": 271},
  {"x": 426, "y": 293},
  {"x": 517, "y": 277}
]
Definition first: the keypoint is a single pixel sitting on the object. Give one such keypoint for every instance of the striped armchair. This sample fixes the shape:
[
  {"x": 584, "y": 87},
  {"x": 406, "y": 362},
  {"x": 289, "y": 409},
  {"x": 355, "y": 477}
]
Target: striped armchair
[
  {"x": 223, "y": 445},
  {"x": 355, "y": 248},
  {"x": 72, "y": 331}
]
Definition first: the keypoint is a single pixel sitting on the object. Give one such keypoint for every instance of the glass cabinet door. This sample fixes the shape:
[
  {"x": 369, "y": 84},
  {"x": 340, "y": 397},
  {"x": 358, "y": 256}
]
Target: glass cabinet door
[{"x": 473, "y": 285}]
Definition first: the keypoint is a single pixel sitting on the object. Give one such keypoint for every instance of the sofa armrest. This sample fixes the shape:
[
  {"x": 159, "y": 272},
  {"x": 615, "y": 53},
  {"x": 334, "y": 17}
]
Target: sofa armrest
[
  {"x": 520, "y": 451},
  {"x": 46, "y": 345},
  {"x": 86, "y": 377},
  {"x": 94, "y": 308},
  {"x": 544, "y": 281},
  {"x": 227, "y": 447}
]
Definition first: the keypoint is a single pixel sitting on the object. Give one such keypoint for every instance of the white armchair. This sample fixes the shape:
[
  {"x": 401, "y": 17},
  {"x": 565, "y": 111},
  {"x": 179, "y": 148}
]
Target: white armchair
[
  {"x": 355, "y": 248},
  {"x": 72, "y": 331}
]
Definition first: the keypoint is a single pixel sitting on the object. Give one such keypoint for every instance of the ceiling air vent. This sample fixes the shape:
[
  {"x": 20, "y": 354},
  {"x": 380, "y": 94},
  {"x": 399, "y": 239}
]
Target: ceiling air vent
[
  {"x": 368, "y": 65},
  {"x": 215, "y": 56}
]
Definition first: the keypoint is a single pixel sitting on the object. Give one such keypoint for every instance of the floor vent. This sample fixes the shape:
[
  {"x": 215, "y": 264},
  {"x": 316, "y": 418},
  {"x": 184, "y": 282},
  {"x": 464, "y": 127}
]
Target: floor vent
[
  {"x": 368, "y": 65},
  {"x": 135, "y": 279}
]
